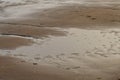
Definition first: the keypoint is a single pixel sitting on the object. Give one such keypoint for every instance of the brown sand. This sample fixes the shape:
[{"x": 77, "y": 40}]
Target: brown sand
[
  {"x": 67, "y": 16},
  {"x": 15, "y": 69},
  {"x": 25, "y": 30},
  {"x": 78, "y": 16},
  {"x": 13, "y": 42}
]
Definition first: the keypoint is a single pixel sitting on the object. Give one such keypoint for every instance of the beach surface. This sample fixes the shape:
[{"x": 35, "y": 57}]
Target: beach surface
[
  {"x": 59, "y": 40},
  {"x": 15, "y": 69}
]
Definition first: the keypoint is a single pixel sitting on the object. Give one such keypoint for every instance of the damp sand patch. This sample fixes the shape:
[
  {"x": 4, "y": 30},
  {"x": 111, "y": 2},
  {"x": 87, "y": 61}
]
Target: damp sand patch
[
  {"x": 90, "y": 54},
  {"x": 86, "y": 17},
  {"x": 26, "y": 71},
  {"x": 103, "y": 43},
  {"x": 30, "y": 31},
  {"x": 7, "y": 42},
  {"x": 15, "y": 35}
]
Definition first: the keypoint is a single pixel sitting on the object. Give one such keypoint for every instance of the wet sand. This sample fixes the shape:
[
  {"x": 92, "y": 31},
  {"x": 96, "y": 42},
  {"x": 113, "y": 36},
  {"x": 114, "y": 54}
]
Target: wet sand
[
  {"x": 7, "y": 42},
  {"x": 98, "y": 23},
  {"x": 16, "y": 69},
  {"x": 77, "y": 16},
  {"x": 32, "y": 31},
  {"x": 17, "y": 35}
]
